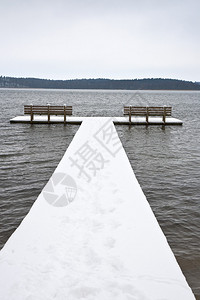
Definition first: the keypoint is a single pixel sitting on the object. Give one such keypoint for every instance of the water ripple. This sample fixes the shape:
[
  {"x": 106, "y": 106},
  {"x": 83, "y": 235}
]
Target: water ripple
[{"x": 165, "y": 160}]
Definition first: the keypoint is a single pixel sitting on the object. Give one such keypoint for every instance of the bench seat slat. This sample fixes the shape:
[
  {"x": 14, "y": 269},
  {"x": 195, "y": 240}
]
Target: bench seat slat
[
  {"x": 46, "y": 113},
  {"x": 46, "y": 107},
  {"x": 43, "y": 109}
]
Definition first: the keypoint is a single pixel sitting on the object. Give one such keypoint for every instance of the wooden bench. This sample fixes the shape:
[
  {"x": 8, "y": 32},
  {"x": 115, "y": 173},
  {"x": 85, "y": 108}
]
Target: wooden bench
[
  {"x": 47, "y": 110},
  {"x": 164, "y": 111}
]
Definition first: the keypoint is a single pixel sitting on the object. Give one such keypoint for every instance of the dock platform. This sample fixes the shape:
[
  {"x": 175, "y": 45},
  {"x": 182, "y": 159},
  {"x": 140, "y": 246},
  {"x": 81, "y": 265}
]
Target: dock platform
[
  {"x": 78, "y": 120},
  {"x": 91, "y": 233}
]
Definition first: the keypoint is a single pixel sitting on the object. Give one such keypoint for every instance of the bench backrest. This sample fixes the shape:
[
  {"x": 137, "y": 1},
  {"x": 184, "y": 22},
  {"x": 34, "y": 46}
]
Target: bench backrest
[
  {"x": 149, "y": 110},
  {"x": 47, "y": 110}
]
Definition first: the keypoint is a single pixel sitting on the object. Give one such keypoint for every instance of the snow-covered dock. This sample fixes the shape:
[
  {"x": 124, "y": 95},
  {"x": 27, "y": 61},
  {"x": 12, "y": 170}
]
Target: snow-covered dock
[
  {"x": 78, "y": 120},
  {"x": 91, "y": 233}
]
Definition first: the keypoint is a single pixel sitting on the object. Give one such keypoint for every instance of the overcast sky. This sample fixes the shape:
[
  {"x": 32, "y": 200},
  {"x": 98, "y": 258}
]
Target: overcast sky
[{"x": 120, "y": 39}]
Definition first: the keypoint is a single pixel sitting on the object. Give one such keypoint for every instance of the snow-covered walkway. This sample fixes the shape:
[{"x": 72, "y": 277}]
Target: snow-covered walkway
[
  {"x": 79, "y": 120},
  {"x": 91, "y": 233}
]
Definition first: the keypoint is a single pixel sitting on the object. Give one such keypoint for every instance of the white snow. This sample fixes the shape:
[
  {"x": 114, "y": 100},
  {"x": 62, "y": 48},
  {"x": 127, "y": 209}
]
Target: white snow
[
  {"x": 97, "y": 241},
  {"x": 119, "y": 120}
]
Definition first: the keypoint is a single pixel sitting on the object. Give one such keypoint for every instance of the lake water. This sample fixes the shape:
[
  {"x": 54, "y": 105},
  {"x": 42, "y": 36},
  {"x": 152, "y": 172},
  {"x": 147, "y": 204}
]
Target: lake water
[{"x": 165, "y": 160}]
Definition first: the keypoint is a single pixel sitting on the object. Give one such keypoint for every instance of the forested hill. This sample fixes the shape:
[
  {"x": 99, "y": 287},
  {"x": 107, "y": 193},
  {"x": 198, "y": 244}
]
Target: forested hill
[{"x": 135, "y": 84}]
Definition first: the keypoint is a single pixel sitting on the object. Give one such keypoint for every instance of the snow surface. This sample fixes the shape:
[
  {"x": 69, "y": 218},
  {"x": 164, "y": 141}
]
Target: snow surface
[
  {"x": 101, "y": 242},
  {"x": 71, "y": 119}
]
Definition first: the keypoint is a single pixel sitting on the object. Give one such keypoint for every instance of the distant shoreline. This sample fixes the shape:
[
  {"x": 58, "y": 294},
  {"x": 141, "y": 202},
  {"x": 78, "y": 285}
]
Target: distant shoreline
[
  {"x": 103, "y": 90},
  {"x": 156, "y": 84}
]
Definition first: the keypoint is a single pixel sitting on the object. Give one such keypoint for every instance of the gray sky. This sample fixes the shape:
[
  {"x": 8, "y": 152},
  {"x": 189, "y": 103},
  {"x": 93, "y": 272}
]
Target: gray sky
[{"x": 121, "y": 39}]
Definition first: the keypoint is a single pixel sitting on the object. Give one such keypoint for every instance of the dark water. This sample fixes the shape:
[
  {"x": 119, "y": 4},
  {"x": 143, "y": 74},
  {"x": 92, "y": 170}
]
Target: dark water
[{"x": 165, "y": 160}]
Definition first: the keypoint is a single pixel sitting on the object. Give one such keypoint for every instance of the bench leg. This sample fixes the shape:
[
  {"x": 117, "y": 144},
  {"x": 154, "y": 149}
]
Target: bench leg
[
  {"x": 164, "y": 115},
  {"x": 129, "y": 119},
  {"x": 147, "y": 116},
  {"x": 164, "y": 119},
  {"x": 147, "y": 119},
  {"x": 64, "y": 113},
  {"x": 31, "y": 113},
  {"x": 64, "y": 117},
  {"x": 130, "y": 116},
  {"x": 48, "y": 113}
]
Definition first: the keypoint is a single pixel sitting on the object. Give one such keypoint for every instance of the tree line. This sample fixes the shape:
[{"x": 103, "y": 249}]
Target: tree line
[{"x": 101, "y": 83}]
